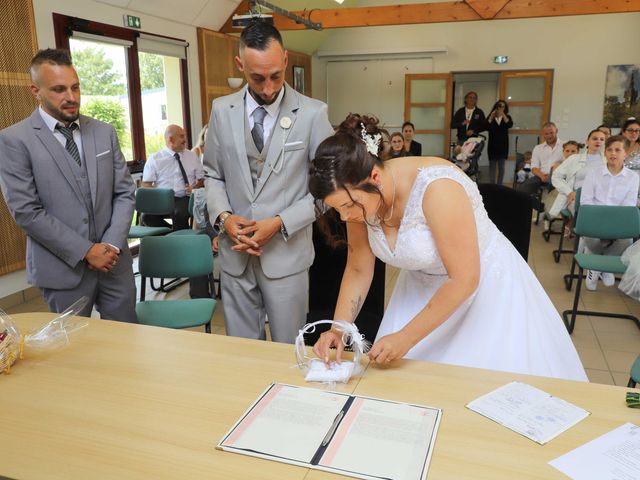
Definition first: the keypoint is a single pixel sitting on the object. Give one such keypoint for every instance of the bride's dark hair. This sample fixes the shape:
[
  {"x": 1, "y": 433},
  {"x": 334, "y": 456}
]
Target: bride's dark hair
[{"x": 343, "y": 160}]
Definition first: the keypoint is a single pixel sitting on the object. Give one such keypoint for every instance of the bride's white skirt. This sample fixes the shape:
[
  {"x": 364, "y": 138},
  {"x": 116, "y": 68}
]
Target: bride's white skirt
[{"x": 509, "y": 323}]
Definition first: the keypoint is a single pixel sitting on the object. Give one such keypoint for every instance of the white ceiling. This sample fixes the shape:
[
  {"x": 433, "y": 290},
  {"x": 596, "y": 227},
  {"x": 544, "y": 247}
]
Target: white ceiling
[{"x": 212, "y": 14}]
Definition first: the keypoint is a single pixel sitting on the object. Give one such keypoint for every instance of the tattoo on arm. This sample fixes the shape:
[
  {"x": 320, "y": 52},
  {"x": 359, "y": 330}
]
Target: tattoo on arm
[{"x": 356, "y": 305}]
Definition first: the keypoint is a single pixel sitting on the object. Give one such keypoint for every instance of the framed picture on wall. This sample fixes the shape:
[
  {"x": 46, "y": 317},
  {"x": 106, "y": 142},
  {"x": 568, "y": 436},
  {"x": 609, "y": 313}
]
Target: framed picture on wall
[
  {"x": 298, "y": 78},
  {"x": 622, "y": 94}
]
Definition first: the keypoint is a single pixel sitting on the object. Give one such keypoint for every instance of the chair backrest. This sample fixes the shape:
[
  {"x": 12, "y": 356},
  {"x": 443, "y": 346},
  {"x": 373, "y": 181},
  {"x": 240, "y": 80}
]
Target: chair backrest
[
  {"x": 154, "y": 201},
  {"x": 608, "y": 222},
  {"x": 510, "y": 210},
  {"x": 175, "y": 256}
]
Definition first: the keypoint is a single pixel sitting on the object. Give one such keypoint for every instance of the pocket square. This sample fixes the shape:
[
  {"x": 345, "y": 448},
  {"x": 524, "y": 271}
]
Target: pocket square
[
  {"x": 103, "y": 153},
  {"x": 298, "y": 145}
]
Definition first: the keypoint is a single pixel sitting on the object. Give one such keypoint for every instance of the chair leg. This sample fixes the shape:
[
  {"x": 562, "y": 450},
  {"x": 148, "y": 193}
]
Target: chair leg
[
  {"x": 571, "y": 324},
  {"x": 632, "y": 383},
  {"x": 558, "y": 252},
  {"x": 207, "y": 327},
  {"x": 167, "y": 287},
  {"x": 568, "y": 279}
]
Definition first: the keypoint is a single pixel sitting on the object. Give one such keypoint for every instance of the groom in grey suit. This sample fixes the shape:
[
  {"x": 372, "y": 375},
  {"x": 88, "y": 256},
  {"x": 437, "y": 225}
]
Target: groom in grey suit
[
  {"x": 259, "y": 147},
  {"x": 67, "y": 185}
]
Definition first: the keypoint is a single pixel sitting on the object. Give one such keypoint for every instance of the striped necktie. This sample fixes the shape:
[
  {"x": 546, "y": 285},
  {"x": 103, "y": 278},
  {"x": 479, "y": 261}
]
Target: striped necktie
[
  {"x": 71, "y": 145},
  {"x": 257, "y": 132}
]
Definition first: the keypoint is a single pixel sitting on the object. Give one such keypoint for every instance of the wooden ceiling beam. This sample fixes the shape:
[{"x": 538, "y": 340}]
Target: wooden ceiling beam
[
  {"x": 487, "y": 9},
  {"x": 441, "y": 12}
]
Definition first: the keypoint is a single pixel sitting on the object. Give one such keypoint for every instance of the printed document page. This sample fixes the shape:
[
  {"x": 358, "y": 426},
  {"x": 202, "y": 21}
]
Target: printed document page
[
  {"x": 612, "y": 456},
  {"x": 528, "y": 411},
  {"x": 288, "y": 422},
  {"x": 381, "y": 439}
]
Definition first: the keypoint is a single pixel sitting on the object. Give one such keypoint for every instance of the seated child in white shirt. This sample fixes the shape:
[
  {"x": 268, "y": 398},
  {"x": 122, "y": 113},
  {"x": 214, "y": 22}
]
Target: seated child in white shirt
[{"x": 613, "y": 184}]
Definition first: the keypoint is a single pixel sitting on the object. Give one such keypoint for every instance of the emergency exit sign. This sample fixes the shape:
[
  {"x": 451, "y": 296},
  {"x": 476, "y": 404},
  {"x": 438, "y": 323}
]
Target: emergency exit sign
[{"x": 131, "y": 21}]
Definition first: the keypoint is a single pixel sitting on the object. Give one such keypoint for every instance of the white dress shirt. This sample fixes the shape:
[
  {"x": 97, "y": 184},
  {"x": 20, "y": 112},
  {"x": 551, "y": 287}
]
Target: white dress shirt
[
  {"x": 544, "y": 156},
  {"x": 51, "y": 123},
  {"x": 162, "y": 168},
  {"x": 602, "y": 188},
  {"x": 270, "y": 118}
]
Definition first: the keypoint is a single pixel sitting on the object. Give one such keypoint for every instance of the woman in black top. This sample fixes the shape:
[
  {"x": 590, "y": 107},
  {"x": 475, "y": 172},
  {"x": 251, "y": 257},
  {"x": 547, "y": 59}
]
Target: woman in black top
[
  {"x": 498, "y": 124},
  {"x": 410, "y": 145}
]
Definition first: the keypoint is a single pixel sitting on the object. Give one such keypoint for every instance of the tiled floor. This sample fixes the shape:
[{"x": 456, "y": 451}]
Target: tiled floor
[{"x": 607, "y": 346}]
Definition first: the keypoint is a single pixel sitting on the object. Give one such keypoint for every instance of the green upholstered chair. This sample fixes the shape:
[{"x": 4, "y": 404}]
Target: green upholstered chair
[
  {"x": 175, "y": 256},
  {"x": 607, "y": 223},
  {"x": 153, "y": 201}
]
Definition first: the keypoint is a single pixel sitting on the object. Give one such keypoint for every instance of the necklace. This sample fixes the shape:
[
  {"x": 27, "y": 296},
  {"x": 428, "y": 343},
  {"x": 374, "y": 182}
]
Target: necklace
[{"x": 393, "y": 198}]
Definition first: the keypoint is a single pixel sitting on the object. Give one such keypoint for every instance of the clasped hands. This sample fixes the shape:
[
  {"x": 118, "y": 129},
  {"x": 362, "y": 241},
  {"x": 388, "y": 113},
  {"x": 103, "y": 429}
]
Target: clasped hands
[
  {"x": 102, "y": 257},
  {"x": 250, "y": 236},
  {"x": 388, "y": 348}
]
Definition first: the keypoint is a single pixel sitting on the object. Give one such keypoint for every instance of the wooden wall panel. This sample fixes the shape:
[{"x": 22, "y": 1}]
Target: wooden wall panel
[
  {"x": 18, "y": 44},
  {"x": 216, "y": 59}
]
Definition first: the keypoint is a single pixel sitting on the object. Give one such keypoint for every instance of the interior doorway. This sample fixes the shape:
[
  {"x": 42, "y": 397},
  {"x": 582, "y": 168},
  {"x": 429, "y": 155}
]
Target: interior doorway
[{"x": 487, "y": 86}]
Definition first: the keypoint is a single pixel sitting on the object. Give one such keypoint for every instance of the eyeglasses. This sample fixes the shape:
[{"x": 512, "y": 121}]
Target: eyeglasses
[{"x": 633, "y": 130}]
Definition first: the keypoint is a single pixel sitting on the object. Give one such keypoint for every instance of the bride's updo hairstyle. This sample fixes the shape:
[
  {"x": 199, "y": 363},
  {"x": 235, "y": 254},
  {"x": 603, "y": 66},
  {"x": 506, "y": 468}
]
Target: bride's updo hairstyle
[{"x": 344, "y": 159}]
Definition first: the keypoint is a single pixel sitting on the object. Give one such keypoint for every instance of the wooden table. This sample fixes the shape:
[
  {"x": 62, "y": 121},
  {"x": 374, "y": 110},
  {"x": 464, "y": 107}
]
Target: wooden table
[{"x": 136, "y": 402}]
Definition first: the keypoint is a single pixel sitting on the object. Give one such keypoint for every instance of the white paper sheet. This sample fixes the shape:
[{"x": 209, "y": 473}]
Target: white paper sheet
[
  {"x": 375, "y": 431},
  {"x": 528, "y": 411},
  {"x": 301, "y": 413},
  {"x": 612, "y": 456}
]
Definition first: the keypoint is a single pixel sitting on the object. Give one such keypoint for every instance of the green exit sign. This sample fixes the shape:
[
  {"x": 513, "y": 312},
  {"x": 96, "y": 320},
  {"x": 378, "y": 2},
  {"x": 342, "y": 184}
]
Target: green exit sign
[{"x": 131, "y": 21}]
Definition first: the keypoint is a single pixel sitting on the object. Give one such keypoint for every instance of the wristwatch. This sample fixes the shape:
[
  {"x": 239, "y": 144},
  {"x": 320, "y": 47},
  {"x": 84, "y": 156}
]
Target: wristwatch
[{"x": 221, "y": 219}]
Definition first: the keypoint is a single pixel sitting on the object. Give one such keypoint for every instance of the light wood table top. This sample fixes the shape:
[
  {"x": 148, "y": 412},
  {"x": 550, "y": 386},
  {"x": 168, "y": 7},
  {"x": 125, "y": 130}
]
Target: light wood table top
[{"x": 136, "y": 402}]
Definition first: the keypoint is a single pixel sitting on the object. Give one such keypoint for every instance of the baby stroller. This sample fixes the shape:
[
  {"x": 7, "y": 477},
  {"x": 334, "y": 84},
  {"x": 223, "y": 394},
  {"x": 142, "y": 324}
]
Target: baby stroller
[{"x": 468, "y": 155}]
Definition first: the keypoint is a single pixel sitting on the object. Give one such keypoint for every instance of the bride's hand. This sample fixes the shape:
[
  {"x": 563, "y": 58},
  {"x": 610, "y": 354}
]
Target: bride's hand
[
  {"x": 390, "y": 347},
  {"x": 322, "y": 348}
]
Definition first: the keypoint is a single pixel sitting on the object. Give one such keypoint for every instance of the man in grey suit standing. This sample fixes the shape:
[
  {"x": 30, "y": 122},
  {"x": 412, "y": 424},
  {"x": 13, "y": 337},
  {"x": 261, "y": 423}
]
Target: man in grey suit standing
[
  {"x": 259, "y": 146},
  {"x": 67, "y": 185}
]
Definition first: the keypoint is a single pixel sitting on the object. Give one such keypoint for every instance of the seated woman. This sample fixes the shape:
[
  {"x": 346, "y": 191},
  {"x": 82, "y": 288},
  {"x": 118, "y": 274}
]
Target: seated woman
[
  {"x": 464, "y": 296},
  {"x": 631, "y": 132},
  {"x": 397, "y": 146},
  {"x": 570, "y": 175}
]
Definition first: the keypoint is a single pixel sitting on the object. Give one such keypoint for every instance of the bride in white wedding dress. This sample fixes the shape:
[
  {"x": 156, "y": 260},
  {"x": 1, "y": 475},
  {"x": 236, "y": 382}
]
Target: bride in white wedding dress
[{"x": 464, "y": 295}]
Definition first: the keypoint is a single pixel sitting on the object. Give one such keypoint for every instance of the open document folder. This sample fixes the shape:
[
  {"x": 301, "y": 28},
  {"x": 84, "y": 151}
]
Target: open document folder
[{"x": 357, "y": 436}]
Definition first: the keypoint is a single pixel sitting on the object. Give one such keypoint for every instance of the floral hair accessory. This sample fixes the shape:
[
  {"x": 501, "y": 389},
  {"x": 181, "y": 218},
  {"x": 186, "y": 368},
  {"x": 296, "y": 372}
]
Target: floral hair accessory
[
  {"x": 285, "y": 122},
  {"x": 371, "y": 141}
]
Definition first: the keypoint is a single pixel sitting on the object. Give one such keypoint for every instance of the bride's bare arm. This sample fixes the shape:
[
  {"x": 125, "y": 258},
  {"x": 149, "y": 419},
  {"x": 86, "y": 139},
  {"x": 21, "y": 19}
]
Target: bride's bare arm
[
  {"x": 354, "y": 287},
  {"x": 449, "y": 213}
]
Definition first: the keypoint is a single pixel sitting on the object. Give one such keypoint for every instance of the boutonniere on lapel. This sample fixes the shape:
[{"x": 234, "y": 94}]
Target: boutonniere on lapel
[{"x": 285, "y": 122}]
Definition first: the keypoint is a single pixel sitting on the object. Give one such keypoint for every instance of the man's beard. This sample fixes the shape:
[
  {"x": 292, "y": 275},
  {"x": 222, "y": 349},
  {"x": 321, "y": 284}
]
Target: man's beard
[
  {"x": 261, "y": 101},
  {"x": 60, "y": 114}
]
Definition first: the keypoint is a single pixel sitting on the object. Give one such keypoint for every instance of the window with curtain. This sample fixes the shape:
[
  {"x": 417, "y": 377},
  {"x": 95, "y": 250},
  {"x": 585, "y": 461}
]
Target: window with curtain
[{"x": 135, "y": 81}]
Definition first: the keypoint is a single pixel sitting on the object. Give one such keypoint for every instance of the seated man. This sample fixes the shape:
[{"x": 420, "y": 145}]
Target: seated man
[
  {"x": 177, "y": 168},
  {"x": 543, "y": 157}
]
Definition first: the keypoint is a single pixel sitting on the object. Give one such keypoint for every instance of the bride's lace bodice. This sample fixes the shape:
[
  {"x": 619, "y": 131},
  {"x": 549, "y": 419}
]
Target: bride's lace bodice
[{"x": 415, "y": 247}]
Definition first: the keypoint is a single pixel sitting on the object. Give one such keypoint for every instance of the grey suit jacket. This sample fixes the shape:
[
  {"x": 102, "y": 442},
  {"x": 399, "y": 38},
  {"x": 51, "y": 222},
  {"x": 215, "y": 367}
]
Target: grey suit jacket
[
  {"x": 45, "y": 200},
  {"x": 282, "y": 188}
]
